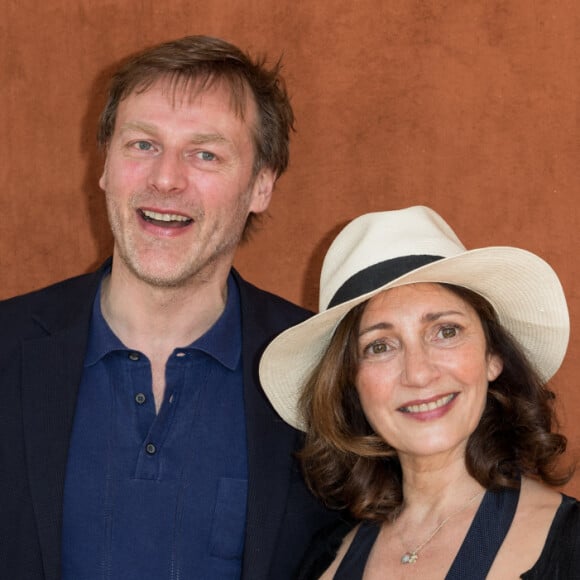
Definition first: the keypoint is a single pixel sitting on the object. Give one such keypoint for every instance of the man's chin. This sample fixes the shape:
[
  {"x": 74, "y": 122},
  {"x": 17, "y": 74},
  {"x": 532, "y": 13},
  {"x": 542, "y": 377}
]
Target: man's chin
[
  {"x": 158, "y": 277},
  {"x": 161, "y": 280}
]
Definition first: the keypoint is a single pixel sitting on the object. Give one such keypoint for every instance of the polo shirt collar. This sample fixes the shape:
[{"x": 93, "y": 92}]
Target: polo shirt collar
[{"x": 223, "y": 341}]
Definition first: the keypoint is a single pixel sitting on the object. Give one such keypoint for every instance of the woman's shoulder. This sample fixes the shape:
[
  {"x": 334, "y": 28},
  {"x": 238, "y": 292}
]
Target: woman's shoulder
[
  {"x": 560, "y": 556},
  {"x": 327, "y": 543},
  {"x": 567, "y": 517},
  {"x": 560, "y": 510},
  {"x": 537, "y": 506},
  {"x": 526, "y": 540},
  {"x": 343, "y": 553},
  {"x": 564, "y": 510},
  {"x": 537, "y": 492}
]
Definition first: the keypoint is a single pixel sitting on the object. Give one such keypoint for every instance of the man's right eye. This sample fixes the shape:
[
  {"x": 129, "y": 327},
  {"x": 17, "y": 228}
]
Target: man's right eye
[{"x": 143, "y": 145}]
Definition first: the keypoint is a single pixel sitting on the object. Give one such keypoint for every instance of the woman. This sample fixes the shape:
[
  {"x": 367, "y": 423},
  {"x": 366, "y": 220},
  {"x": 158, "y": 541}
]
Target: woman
[{"x": 421, "y": 386}]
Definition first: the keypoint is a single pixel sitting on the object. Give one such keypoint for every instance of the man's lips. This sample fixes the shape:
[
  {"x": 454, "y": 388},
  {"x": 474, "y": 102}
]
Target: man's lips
[
  {"x": 172, "y": 220},
  {"x": 428, "y": 406}
]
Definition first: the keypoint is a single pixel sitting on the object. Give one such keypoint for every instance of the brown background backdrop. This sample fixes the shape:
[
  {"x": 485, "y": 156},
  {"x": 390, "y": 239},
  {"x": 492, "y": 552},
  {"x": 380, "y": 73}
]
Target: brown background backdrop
[{"x": 468, "y": 106}]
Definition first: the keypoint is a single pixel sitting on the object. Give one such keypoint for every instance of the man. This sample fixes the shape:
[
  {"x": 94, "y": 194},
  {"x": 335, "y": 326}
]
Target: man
[{"x": 135, "y": 440}]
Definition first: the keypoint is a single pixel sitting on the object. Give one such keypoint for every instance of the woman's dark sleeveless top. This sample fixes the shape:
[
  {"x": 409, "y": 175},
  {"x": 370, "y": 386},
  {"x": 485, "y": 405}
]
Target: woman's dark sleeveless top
[{"x": 476, "y": 555}]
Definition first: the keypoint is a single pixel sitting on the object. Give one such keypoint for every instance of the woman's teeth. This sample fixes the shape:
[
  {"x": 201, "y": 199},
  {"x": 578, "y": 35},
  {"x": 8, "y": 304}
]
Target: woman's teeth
[{"x": 424, "y": 407}]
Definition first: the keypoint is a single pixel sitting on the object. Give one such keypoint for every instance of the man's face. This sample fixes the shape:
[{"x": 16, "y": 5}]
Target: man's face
[{"x": 179, "y": 183}]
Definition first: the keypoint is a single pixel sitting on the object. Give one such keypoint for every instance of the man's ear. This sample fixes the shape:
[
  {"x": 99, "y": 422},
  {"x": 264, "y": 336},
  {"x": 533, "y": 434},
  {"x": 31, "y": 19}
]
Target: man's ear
[
  {"x": 103, "y": 178},
  {"x": 262, "y": 190}
]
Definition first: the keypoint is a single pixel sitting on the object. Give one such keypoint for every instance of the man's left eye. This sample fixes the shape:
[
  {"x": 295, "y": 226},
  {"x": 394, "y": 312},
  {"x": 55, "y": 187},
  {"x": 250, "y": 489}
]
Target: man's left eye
[{"x": 206, "y": 156}]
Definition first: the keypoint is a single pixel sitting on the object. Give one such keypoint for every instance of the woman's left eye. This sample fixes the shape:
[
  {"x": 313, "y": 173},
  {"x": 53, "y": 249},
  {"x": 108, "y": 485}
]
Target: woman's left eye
[{"x": 448, "y": 332}]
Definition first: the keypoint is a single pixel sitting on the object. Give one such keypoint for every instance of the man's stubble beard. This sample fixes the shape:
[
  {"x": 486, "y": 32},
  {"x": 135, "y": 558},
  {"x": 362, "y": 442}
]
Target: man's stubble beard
[{"x": 127, "y": 249}]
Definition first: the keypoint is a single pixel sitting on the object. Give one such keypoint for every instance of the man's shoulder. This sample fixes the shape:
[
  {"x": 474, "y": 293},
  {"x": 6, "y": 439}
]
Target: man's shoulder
[
  {"x": 268, "y": 306},
  {"x": 50, "y": 293},
  {"x": 60, "y": 301}
]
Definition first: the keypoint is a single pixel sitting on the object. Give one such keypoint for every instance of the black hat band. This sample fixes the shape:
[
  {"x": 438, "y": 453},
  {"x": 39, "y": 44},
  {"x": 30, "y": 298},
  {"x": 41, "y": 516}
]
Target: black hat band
[{"x": 377, "y": 275}]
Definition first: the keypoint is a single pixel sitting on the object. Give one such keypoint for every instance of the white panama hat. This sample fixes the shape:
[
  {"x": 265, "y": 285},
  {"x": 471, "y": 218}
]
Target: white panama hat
[{"x": 382, "y": 250}]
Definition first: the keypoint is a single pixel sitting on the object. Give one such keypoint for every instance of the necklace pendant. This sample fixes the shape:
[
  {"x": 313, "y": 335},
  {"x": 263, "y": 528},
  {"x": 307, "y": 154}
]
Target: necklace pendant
[{"x": 409, "y": 558}]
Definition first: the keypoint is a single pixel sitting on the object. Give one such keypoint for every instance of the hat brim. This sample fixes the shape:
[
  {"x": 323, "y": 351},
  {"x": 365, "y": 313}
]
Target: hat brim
[{"x": 523, "y": 289}]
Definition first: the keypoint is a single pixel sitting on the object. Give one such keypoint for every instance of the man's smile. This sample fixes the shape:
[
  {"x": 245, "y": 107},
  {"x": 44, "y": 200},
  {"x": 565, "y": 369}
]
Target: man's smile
[{"x": 171, "y": 220}]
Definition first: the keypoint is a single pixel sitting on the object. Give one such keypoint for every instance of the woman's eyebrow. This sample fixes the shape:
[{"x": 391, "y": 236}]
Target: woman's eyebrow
[
  {"x": 428, "y": 317},
  {"x": 377, "y": 326},
  {"x": 432, "y": 316}
]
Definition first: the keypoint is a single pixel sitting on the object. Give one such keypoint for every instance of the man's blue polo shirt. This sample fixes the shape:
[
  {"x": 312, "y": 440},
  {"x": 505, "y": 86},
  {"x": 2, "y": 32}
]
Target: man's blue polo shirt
[{"x": 158, "y": 496}]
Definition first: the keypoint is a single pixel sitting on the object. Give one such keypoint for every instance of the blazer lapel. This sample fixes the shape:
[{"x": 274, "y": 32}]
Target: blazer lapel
[
  {"x": 269, "y": 464},
  {"x": 52, "y": 366},
  {"x": 51, "y": 375},
  {"x": 270, "y": 440}
]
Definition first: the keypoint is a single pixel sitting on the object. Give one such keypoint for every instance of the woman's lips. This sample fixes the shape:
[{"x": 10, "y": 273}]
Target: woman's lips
[{"x": 425, "y": 407}]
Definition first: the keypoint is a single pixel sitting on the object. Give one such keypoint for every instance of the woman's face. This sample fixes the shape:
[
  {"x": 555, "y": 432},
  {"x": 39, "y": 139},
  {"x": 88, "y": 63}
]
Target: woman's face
[{"x": 423, "y": 369}]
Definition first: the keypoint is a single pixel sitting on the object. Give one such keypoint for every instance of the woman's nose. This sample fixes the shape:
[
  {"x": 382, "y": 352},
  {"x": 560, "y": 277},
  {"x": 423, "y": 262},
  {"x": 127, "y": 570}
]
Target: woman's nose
[{"x": 418, "y": 367}]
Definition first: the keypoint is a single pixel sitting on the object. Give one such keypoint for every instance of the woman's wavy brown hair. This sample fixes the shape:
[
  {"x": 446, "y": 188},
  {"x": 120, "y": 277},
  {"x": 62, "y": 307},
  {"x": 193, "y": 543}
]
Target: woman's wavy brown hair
[{"x": 350, "y": 467}]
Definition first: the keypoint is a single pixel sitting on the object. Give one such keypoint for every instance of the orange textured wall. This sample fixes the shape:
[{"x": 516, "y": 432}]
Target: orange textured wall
[{"x": 469, "y": 107}]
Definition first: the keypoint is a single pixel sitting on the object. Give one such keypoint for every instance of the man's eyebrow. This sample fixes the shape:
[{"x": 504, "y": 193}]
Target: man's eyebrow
[
  {"x": 208, "y": 138},
  {"x": 197, "y": 138},
  {"x": 137, "y": 126}
]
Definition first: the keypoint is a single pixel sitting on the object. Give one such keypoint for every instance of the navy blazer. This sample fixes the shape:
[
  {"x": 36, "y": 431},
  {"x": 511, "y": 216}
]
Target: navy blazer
[{"x": 43, "y": 337}]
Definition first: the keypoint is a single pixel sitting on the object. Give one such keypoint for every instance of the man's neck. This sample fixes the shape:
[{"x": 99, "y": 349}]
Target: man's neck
[{"x": 159, "y": 319}]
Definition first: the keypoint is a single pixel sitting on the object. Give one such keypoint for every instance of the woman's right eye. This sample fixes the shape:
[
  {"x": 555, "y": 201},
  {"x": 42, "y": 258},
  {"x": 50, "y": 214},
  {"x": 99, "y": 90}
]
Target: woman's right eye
[{"x": 376, "y": 347}]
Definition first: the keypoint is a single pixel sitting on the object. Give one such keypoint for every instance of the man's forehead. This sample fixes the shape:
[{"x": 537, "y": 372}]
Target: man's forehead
[{"x": 181, "y": 90}]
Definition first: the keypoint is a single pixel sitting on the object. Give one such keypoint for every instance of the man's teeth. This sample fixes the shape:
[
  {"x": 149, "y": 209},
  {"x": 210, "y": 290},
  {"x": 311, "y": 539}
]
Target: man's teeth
[
  {"x": 164, "y": 217},
  {"x": 423, "y": 407}
]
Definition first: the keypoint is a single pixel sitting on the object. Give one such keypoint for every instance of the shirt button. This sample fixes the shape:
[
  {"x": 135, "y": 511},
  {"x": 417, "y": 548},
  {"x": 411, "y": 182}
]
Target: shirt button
[
  {"x": 140, "y": 398},
  {"x": 134, "y": 356},
  {"x": 151, "y": 449}
]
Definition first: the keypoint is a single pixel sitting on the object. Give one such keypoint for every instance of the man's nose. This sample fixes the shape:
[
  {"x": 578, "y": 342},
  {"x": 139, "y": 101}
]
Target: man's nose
[{"x": 168, "y": 173}]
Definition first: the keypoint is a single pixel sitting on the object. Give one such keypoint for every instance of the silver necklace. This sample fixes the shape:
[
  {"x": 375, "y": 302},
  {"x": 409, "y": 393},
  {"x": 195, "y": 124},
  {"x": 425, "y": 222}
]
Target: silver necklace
[{"x": 413, "y": 556}]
